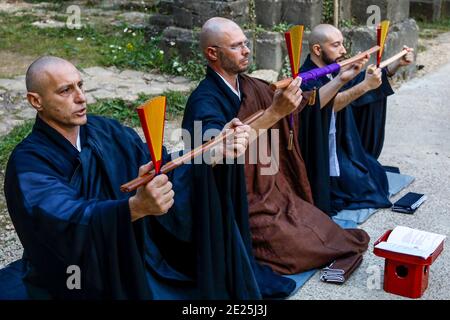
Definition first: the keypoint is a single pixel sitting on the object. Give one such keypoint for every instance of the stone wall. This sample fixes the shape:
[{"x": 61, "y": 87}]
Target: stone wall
[
  {"x": 392, "y": 10},
  {"x": 191, "y": 14},
  {"x": 400, "y": 34},
  {"x": 180, "y": 21}
]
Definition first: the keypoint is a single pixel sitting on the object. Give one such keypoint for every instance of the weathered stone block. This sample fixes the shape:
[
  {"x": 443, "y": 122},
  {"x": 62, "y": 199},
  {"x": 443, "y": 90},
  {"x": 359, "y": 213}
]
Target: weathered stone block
[
  {"x": 165, "y": 7},
  {"x": 268, "y": 12},
  {"x": 157, "y": 23},
  {"x": 445, "y": 11},
  {"x": 392, "y": 10},
  {"x": 305, "y": 12}
]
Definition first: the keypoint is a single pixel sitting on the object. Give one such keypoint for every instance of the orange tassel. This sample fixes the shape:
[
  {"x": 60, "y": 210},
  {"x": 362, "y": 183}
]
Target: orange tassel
[{"x": 312, "y": 98}]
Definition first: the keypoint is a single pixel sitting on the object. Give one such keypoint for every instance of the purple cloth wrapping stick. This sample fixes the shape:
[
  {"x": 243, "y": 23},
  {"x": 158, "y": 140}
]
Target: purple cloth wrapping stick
[{"x": 319, "y": 72}]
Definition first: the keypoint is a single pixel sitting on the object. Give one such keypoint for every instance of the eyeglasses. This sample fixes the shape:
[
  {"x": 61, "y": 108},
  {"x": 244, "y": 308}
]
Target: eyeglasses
[{"x": 237, "y": 47}]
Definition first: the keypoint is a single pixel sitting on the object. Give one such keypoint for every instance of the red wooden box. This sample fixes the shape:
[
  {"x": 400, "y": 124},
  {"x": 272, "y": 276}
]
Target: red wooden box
[{"x": 404, "y": 274}]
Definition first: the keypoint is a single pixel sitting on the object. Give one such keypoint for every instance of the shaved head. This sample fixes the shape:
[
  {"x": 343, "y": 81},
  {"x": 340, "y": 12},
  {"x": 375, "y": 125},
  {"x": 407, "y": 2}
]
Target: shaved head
[
  {"x": 213, "y": 31},
  {"x": 322, "y": 33},
  {"x": 37, "y": 73}
]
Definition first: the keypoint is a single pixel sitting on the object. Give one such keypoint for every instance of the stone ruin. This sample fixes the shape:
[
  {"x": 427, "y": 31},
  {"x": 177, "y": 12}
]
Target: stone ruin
[{"x": 180, "y": 21}]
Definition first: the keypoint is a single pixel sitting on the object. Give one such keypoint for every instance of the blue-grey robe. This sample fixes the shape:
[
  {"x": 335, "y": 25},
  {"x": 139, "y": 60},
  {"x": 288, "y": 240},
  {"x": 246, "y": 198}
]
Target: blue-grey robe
[{"x": 362, "y": 182}]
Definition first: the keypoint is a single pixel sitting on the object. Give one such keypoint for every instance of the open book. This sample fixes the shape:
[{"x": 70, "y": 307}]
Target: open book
[{"x": 412, "y": 241}]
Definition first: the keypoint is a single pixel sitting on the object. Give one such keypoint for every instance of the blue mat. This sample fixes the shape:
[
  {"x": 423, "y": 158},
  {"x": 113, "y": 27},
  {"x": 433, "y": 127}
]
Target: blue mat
[{"x": 397, "y": 182}]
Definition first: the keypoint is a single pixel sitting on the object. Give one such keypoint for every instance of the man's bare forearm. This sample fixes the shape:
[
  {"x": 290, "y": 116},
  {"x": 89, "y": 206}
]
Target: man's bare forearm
[
  {"x": 344, "y": 98},
  {"x": 328, "y": 91}
]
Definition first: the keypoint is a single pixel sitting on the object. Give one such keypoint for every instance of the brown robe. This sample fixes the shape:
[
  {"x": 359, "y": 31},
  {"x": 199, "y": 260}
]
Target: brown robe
[{"x": 288, "y": 232}]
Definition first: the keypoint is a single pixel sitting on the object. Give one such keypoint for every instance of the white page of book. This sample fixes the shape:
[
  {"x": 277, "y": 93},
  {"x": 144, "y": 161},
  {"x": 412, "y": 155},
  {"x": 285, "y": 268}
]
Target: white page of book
[{"x": 412, "y": 241}]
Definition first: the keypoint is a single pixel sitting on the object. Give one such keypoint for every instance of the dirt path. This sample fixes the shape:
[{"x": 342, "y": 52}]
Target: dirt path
[{"x": 13, "y": 64}]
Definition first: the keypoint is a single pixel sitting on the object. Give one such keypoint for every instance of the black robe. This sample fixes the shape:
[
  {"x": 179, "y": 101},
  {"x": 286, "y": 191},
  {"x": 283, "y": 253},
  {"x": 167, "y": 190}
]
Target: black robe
[
  {"x": 362, "y": 182},
  {"x": 68, "y": 210}
]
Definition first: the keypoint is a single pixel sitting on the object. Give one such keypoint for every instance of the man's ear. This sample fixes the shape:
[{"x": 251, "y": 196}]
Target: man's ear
[
  {"x": 211, "y": 54},
  {"x": 35, "y": 100},
  {"x": 317, "y": 50}
]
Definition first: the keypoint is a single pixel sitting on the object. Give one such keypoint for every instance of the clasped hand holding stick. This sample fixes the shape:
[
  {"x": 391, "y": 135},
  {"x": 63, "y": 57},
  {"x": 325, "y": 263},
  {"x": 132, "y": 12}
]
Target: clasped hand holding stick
[
  {"x": 144, "y": 179},
  {"x": 307, "y": 76}
]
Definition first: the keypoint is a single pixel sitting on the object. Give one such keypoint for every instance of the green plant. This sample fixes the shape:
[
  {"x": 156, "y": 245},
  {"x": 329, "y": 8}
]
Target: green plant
[
  {"x": 176, "y": 102},
  {"x": 125, "y": 111},
  {"x": 286, "y": 69}
]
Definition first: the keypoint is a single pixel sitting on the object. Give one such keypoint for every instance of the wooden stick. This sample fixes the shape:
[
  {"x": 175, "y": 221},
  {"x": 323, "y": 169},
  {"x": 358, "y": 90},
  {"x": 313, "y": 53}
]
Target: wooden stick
[
  {"x": 147, "y": 177},
  {"x": 286, "y": 82},
  {"x": 359, "y": 56},
  {"x": 387, "y": 62}
]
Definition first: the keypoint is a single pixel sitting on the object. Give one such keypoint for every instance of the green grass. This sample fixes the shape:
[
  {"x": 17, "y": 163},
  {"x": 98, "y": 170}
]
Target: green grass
[
  {"x": 327, "y": 11},
  {"x": 429, "y": 30},
  {"x": 102, "y": 45}
]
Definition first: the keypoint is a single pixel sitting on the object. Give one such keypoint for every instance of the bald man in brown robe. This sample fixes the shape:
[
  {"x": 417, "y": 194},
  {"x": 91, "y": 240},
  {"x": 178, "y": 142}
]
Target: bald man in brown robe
[{"x": 288, "y": 232}]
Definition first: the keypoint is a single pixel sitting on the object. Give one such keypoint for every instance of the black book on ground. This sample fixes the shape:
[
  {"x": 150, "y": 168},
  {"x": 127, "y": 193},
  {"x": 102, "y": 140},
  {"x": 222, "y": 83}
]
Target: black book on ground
[{"x": 409, "y": 202}]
